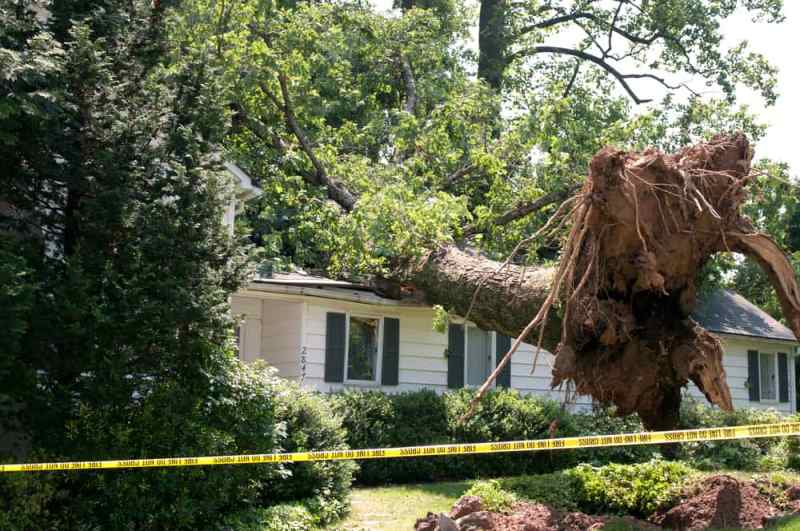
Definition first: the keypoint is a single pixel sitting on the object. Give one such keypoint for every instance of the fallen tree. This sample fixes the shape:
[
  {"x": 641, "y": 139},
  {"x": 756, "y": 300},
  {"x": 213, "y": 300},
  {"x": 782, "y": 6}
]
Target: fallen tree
[{"x": 642, "y": 227}]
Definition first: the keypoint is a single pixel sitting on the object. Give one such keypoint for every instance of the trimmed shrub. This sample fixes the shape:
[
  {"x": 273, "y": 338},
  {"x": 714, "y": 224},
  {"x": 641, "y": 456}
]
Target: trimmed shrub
[
  {"x": 637, "y": 489},
  {"x": 603, "y": 421},
  {"x": 374, "y": 420},
  {"x": 628, "y": 489},
  {"x": 281, "y": 517},
  {"x": 557, "y": 489},
  {"x": 493, "y": 496},
  {"x": 245, "y": 409},
  {"x": 310, "y": 424},
  {"x": 762, "y": 454}
]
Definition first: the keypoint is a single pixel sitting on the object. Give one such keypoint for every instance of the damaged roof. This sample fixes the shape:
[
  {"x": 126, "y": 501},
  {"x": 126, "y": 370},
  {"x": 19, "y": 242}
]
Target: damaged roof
[
  {"x": 726, "y": 312},
  {"x": 301, "y": 278},
  {"x": 723, "y": 311}
]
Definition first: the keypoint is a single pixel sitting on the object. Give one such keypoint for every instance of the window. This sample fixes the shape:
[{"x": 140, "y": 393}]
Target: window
[
  {"x": 479, "y": 355},
  {"x": 239, "y": 341},
  {"x": 767, "y": 377},
  {"x": 362, "y": 348}
]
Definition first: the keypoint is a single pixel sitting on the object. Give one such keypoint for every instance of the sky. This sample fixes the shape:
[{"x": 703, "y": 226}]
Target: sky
[{"x": 780, "y": 43}]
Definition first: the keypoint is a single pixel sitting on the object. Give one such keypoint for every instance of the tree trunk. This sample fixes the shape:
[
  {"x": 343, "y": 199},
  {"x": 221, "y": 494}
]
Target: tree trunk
[
  {"x": 492, "y": 42},
  {"x": 643, "y": 226}
]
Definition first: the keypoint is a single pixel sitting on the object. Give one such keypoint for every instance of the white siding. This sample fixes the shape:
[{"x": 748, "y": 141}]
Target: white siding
[
  {"x": 271, "y": 331},
  {"x": 422, "y": 360},
  {"x": 290, "y": 325},
  {"x": 735, "y": 363},
  {"x": 248, "y": 311},
  {"x": 281, "y": 336}
]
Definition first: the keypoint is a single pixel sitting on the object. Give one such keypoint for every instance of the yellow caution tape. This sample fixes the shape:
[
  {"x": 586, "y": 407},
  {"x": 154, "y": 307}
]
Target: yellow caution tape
[{"x": 593, "y": 441}]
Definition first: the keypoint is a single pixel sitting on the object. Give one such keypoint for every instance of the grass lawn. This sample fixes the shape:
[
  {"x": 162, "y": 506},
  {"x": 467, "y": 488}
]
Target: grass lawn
[{"x": 398, "y": 507}]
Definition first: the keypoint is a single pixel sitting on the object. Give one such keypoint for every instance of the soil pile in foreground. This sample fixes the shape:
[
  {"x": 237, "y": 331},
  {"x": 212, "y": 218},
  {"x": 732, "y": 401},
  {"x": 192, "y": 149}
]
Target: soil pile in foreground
[{"x": 717, "y": 502}]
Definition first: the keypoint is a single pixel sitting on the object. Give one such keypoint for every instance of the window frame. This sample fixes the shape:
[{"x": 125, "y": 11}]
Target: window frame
[
  {"x": 492, "y": 355},
  {"x": 378, "y": 354},
  {"x": 761, "y": 398}
]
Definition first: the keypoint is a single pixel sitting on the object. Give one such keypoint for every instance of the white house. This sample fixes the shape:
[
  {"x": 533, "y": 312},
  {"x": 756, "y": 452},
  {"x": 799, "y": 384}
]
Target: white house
[{"x": 331, "y": 335}]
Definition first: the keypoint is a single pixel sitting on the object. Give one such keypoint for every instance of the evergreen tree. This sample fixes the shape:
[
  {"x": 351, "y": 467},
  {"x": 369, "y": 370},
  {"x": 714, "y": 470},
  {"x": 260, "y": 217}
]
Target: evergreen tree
[{"x": 111, "y": 199}]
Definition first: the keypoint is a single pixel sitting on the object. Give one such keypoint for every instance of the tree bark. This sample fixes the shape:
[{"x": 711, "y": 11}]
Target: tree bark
[
  {"x": 492, "y": 42},
  {"x": 507, "y": 297},
  {"x": 643, "y": 226}
]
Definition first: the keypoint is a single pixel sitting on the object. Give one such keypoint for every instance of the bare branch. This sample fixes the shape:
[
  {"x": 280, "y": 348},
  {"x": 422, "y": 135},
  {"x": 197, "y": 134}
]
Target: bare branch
[
  {"x": 613, "y": 25},
  {"x": 572, "y": 79},
  {"x": 458, "y": 174},
  {"x": 578, "y": 15},
  {"x": 411, "y": 85},
  {"x": 524, "y": 209},
  {"x": 621, "y": 78},
  {"x": 336, "y": 191}
]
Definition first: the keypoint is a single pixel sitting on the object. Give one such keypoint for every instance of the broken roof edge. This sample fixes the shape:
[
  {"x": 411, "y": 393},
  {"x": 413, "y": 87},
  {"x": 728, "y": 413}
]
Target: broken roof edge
[
  {"x": 339, "y": 292},
  {"x": 722, "y": 312}
]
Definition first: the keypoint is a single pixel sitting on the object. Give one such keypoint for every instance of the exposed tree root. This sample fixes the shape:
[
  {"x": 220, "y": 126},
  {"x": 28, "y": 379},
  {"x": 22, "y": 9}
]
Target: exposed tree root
[
  {"x": 649, "y": 223},
  {"x": 616, "y": 309}
]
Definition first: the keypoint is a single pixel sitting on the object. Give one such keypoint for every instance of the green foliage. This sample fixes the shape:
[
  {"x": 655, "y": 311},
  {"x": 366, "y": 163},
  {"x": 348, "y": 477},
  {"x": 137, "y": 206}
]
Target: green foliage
[
  {"x": 422, "y": 173},
  {"x": 373, "y": 420},
  {"x": 281, "y": 517},
  {"x": 440, "y": 319},
  {"x": 310, "y": 424},
  {"x": 603, "y": 421},
  {"x": 628, "y": 489},
  {"x": 747, "y": 454},
  {"x": 557, "y": 489},
  {"x": 493, "y": 497},
  {"x": 248, "y": 410},
  {"x": 26, "y": 500},
  {"x": 394, "y": 223},
  {"x": 637, "y": 489}
]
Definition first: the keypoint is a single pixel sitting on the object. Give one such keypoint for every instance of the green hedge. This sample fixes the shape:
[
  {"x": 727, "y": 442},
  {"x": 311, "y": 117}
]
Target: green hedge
[
  {"x": 246, "y": 410},
  {"x": 764, "y": 454},
  {"x": 636, "y": 489},
  {"x": 375, "y": 419}
]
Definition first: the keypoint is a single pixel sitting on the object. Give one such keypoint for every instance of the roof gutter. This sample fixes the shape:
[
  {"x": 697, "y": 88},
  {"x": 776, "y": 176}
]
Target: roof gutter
[{"x": 340, "y": 294}]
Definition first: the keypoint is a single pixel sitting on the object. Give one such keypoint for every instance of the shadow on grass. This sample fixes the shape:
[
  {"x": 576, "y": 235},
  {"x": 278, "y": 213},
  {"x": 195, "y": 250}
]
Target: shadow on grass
[{"x": 450, "y": 489}]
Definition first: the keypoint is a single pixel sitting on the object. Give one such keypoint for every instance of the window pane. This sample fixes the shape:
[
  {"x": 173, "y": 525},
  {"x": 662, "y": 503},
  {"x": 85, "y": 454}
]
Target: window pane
[
  {"x": 767, "y": 369},
  {"x": 478, "y": 355},
  {"x": 362, "y": 350}
]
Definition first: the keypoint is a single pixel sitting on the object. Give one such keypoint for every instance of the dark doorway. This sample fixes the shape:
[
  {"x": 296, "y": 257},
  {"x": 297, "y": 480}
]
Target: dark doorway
[{"x": 797, "y": 383}]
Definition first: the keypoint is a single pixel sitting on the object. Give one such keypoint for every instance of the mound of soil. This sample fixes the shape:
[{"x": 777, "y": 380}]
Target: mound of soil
[
  {"x": 721, "y": 502},
  {"x": 467, "y": 515},
  {"x": 718, "y": 502}
]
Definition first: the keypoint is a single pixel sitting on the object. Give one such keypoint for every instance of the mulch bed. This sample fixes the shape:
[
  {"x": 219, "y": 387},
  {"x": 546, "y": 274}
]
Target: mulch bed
[{"x": 717, "y": 502}]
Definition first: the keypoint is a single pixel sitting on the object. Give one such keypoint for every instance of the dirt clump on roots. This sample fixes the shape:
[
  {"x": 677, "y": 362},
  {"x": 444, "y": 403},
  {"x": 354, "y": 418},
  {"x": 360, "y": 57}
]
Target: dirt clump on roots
[
  {"x": 716, "y": 502},
  {"x": 720, "y": 502},
  {"x": 523, "y": 516},
  {"x": 642, "y": 227}
]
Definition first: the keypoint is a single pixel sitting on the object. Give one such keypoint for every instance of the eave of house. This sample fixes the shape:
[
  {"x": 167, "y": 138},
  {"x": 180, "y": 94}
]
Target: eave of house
[{"x": 286, "y": 291}]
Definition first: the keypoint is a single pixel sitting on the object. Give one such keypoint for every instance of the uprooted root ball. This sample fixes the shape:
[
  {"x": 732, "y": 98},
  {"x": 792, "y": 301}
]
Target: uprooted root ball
[{"x": 642, "y": 227}]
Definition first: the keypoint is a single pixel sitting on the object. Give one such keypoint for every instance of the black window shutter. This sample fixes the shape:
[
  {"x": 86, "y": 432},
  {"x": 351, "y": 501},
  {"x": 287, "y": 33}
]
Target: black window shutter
[
  {"x": 753, "y": 376},
  {"x": 455, "y": 356},
  {"x": 390, "y": 368},
  {"x": 335, "y": 342},
  {"x": 783, "y": 377},
  {"x": 502, "y": 345}
]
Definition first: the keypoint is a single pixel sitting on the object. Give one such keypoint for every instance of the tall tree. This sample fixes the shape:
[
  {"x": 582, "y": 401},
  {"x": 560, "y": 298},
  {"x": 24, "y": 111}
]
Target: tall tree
[
  {"x": 363, "y": 184},
  {"x": 112, "y": 200}
]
